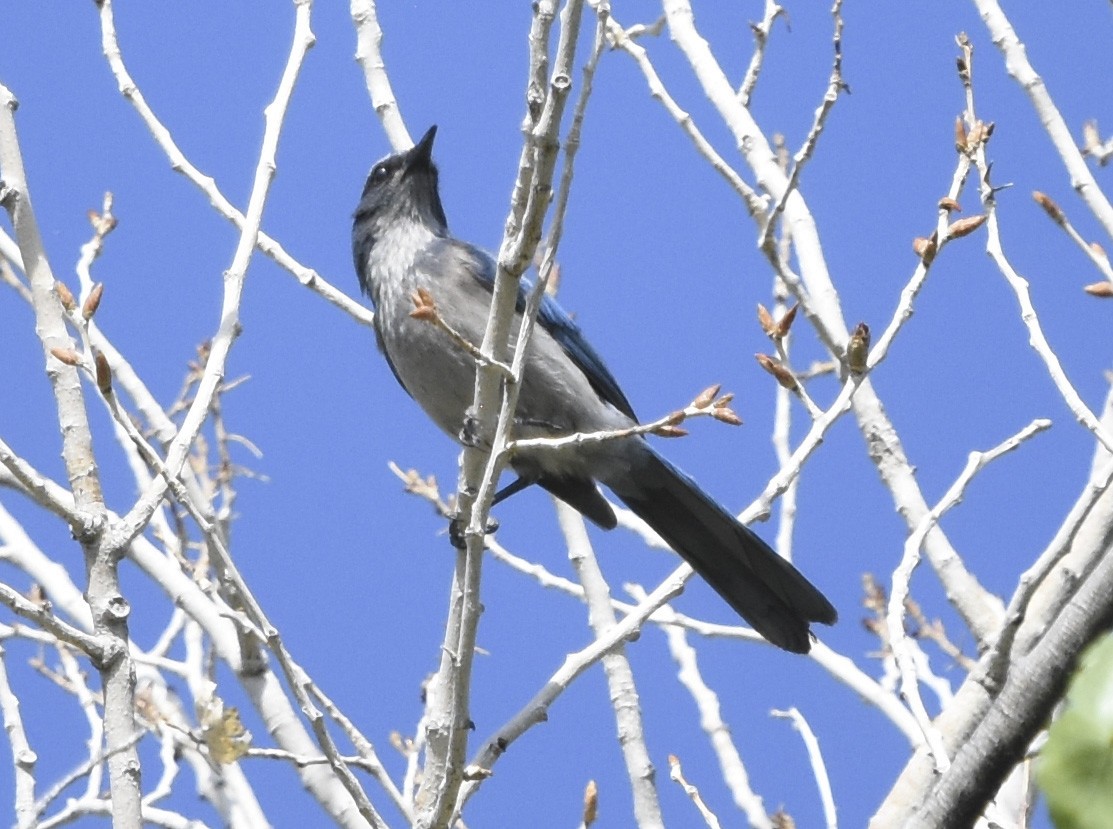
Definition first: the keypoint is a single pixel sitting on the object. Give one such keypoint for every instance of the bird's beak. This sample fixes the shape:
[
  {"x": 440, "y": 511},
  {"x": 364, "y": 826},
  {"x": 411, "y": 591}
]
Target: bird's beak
[{"x": 421, "y": 154}]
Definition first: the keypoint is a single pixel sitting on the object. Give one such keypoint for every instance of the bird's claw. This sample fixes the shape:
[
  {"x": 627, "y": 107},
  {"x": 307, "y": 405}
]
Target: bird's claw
[
  {"x": 457, "y": 531},
  {"x": 469, "y": 432}
]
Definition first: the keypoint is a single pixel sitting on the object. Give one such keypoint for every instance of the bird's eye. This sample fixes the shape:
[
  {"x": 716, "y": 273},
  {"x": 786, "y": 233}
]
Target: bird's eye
[{"x": 379, "y": 174}]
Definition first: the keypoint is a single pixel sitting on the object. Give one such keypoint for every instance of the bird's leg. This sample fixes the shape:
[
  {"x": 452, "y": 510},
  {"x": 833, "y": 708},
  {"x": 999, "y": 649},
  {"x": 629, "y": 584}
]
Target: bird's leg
[
  {"x": 456, "y": 530},
  {"x": 456, "y": 525},
  {"x": 518, "y": 484}
]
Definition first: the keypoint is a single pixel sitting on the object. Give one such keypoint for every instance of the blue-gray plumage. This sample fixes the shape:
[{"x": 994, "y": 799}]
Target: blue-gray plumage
[{"x": 400, "y": 242}]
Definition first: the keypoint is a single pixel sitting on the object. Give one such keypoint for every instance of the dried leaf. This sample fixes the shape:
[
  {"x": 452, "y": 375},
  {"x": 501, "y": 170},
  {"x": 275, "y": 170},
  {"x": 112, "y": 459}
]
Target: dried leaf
[
  {"x": 225, "y": 735},
  {"x": 964, "y": 227},
  {"x": 92, "y": 302},
  {"x": 961, "y": 138}
]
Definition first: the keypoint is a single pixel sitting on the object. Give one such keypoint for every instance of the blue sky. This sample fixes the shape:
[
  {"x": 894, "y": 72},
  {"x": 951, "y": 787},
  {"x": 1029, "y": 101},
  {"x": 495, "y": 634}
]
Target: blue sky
[{"x": 661, "y": 270}]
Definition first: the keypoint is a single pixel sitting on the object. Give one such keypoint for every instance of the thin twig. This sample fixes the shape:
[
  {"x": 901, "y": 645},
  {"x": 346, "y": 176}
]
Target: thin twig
[
  {"x": 819, "y": 768},
  {"x": 179, "y": 163},
  {"x": 624, "y": 697},
  {"x": 902, "y": 575}
]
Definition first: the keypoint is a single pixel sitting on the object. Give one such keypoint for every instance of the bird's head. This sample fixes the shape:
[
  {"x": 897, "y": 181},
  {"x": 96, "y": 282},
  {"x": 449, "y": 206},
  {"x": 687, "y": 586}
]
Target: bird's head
[{"x": 401, "y": 191}]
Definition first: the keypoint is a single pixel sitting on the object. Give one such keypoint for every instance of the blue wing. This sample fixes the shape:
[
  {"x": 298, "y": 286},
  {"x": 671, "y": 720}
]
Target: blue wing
[{"x": 553, "y": 319}]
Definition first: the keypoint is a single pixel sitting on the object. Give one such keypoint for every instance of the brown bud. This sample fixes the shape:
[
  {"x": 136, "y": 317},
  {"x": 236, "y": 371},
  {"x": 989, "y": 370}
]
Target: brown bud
[
  {"x": 67, "y": 356},
  {"x": 782, "y": 820},
  {"x": 65, "y": 296},
  {"x": 705, "y": 397},
  {"x": 1091, "y": 138},
  {"x": 783, "y": 376},
  {"x": 1098, "y": 249},
  {"x": 1049, "y": 206},
  {"x": 591, "y": 803},
  {"x": 670, "y": 432},
  {"x": 961, "y": 139},
  {"x": 964, "y": 227},
  {"x": 726, "y": 415},
  {"x": 858, "y": 348},
  {"x": 925, "y": 248},
  {"x": 724, "y": 400},
  {"x": 1102, "y": 289},
  {"x": 765, "y": 319},
  {"x": 92, "y": 302},
  {"x": 785, "y": 324},
  {"x": 104, "y": 374},
  {"x": 673, "y": 419},
  {"x": 950, "y": 205}
]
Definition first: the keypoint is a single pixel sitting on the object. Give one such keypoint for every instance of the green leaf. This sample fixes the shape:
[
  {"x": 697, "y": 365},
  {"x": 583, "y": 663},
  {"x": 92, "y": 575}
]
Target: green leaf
[{"x": 1075, "y": 769}]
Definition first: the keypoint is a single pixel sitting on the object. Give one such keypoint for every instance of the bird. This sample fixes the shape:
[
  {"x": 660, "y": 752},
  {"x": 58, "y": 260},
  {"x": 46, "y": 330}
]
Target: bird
[{"x": 402, "y": 247}]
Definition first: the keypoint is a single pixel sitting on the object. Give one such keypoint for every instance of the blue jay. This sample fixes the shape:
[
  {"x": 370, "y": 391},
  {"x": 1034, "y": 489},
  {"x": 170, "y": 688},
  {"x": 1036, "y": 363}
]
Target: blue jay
[{"x": 401, "y": 243}]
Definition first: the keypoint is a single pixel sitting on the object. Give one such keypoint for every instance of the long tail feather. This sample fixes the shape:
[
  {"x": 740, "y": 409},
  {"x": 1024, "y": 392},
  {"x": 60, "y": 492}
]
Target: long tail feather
[{"x": 763, "y": 588}]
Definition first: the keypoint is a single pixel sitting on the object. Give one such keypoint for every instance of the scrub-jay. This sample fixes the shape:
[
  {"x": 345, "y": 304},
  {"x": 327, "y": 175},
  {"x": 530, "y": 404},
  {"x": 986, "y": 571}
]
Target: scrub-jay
[{"x": 401, "y": 244}]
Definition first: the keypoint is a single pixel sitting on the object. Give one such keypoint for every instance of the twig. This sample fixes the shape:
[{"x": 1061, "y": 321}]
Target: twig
[
  {"x": 23, "y": 756},
  {"x": 623, "y": 695},
  {"x": 761, "y": 38},
  {"x": 835, "y": 85},
  {"x": 228, "y": 329},
  {"x": 819, "y": 768},
  {"x": 1059, "y": 216},
  {"x": 716, "y": 407},
  {"x": 902, "y": 575},
  {"x": 820, "y": 303},
  {"x": 677, "y": 776},
  {"x": 448, "y": 696},
  {"x": 536, "y": 710},
  {"x": 621, "y": 39},
  {"x": 711, "y": 720},
  {"x": 1030, "y": 318},
  {"x": 100, "y": 542},
  {"x": 369, "y": 55},
  {"x": 42, "y": 616},
  {"x": 206, "y": 184},
  {"x": 36, "y": 486},
  {"x": 1020, "y": 68}
]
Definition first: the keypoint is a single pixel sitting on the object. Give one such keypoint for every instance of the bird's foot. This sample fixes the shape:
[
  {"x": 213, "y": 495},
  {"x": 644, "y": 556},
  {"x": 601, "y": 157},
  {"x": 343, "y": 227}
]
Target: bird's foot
[
  {"x": 469, "y": 431},
  {"x": 457, "y": 530}
]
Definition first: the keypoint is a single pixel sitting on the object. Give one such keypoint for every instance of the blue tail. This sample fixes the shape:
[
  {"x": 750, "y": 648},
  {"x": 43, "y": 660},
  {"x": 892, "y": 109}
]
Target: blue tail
[{"x": 763, "y": 588}]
